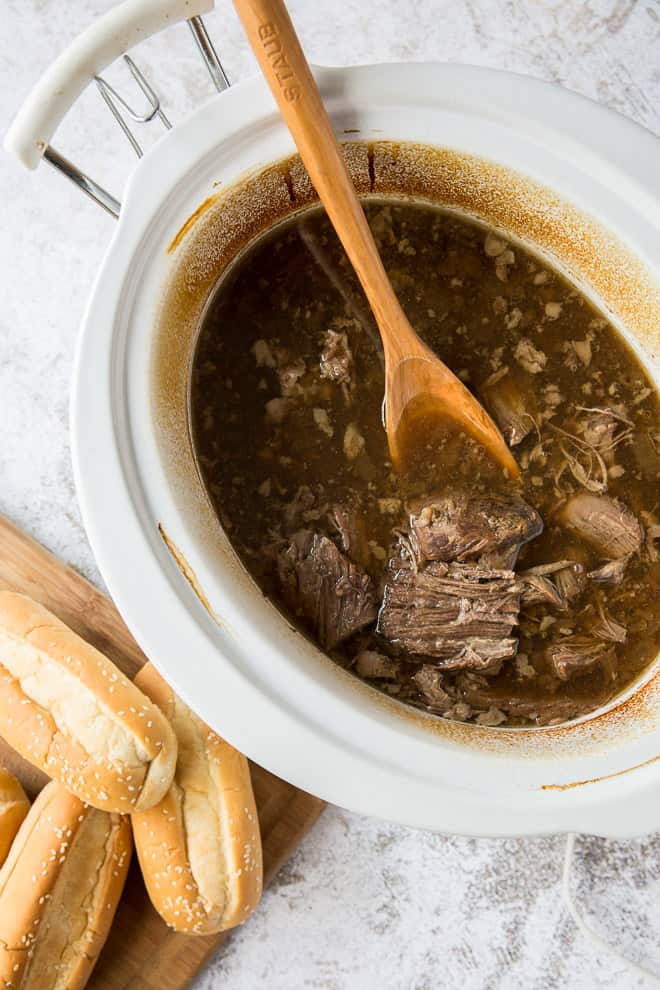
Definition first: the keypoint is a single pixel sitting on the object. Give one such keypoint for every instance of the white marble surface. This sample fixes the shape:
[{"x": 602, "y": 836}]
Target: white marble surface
[{"x": 363, "y": 904}]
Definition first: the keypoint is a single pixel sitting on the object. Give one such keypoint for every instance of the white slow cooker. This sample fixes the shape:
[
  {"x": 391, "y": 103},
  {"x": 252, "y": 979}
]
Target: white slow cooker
[{"x": 574, "y": 181}]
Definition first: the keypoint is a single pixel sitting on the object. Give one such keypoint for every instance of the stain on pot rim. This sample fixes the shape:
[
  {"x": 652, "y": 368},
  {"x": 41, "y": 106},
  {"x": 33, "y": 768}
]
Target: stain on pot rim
[
  {"x": 598, "y": 780},
  {"x": 188, "y": 573}
]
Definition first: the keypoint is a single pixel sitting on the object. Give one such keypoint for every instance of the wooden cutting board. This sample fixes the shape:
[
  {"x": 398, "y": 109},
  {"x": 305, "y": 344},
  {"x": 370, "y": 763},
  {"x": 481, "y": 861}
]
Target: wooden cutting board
[{"x": 141, "y": 953}]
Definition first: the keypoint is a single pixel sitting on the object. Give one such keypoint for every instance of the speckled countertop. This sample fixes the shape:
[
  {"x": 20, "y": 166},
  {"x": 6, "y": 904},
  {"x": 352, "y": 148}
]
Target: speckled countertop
[{"x": 363, "y": 904}]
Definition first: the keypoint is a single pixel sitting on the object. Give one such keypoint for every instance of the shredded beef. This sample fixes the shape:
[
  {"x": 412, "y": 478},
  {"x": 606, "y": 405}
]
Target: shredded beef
[
  {"x": 606, "y": 627},
  {"x": 578, "y": 655},
  {"x": 541, "y": 710},
  {"x": 556, "y": 584},
  {"x": 429, "y": 683},
  {"x": 612, "y": 572},
  {"x": 460, "y": 615},
  {"x": 290, "y": 375},
  {"x": 325, "y": 588},
  {"x": 371, "y": 664},
  {"x": 336, "y": 357}
]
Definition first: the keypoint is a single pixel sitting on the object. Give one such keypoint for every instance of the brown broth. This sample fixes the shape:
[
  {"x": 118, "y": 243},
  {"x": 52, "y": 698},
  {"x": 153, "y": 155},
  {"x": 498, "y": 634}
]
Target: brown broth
[{"x": 482, "y": 307}]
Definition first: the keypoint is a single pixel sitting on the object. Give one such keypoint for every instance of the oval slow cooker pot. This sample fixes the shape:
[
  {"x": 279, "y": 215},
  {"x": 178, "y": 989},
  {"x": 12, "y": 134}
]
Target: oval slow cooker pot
[{"x": 577, "y": 183}]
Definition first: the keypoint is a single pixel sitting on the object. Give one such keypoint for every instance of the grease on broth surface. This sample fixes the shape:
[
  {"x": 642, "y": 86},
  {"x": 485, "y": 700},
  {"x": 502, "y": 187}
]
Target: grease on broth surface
[{"x": 286, "y": 396}]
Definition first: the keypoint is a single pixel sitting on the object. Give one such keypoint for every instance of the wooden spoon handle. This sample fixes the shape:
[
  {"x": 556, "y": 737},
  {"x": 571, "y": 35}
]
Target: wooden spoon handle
[{"x": 283, "y": 63}]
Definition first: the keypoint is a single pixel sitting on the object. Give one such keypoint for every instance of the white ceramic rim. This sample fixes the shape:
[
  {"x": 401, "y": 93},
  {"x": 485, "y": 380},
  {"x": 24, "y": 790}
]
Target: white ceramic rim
[{"x": 347, "y": 753}]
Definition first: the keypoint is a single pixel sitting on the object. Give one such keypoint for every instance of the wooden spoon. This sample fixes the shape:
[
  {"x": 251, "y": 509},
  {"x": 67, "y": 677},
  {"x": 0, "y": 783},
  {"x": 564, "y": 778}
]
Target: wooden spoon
[{"x": 417, "y": 383}]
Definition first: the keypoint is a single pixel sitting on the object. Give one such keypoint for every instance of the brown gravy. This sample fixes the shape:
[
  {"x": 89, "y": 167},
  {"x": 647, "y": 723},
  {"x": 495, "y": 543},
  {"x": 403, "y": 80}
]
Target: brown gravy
[{"x": 286, "y": 397}]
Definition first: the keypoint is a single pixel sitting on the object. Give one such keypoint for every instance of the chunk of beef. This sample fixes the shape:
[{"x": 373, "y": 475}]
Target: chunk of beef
[
  {"x": 652, "y": 536},
  {"x": 277, "y": 410},
  {"x": 302, "y": 507},
  {"x": 429, "y": 682},
  {"x": 536, "y": 589},
  {"x": 462, "y": 526},
  {"x": 545, "y": 710},
  {"x": 606, "y": 525},
  {"x": 349, "y": 522},
  {"x": 505, "y": 402},
  {"x": 289, "y": 375},
  {"x": 610, "y": 573},
  {"x": 354, "y": 442},
  {"x": 263, "y": 354},
  {"x": 458, "y": 614},
  {"x": 555, "y": 584},
  {"x": 492, "y": 717},
  {"x": 606, "y": 627},
  {"x": 459, "y": 712},
  {"x": 322, "y": 420},
  {"x": 336, "y": 357},
  {"x": 371, "y": 664},
  {"x": 570, "y": 580},
  {"x": 579, "y": 655},
  {"x": 325, "y": 588},
  {"x": 530, "y": 358}
]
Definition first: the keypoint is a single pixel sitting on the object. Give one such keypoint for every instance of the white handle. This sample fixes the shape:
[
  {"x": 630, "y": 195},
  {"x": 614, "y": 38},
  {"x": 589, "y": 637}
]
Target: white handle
[{"x": 58, "y": 89}]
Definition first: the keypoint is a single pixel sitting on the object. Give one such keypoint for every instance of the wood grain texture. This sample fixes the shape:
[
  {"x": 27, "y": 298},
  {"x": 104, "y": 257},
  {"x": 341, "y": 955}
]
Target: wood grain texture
[{"x": 141, "y": 953}]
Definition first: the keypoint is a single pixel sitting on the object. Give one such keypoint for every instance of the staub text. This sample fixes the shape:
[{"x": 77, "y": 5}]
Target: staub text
[{"x": 277, "y": 58}]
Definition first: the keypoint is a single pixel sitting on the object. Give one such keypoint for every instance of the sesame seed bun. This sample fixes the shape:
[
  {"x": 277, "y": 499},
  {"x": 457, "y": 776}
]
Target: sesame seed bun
[
  {"x": 14, "y": 806},
  {"x": 68, "y": 710},
  {"x": 200, "y": 847},
  {"x": 59, "y": 888}
]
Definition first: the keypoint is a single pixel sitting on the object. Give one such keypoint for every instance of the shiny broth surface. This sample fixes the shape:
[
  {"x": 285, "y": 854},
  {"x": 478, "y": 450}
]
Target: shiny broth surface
[{"x": 286, "y": 396}]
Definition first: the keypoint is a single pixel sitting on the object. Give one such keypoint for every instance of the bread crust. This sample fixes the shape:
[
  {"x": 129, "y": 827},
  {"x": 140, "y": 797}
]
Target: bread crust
[
  {"x": 59, "y": 888},
  {"x": 66, "y": 708},
  {"x": 200, "y": 847},
  {"x": 14, "y": 806}
]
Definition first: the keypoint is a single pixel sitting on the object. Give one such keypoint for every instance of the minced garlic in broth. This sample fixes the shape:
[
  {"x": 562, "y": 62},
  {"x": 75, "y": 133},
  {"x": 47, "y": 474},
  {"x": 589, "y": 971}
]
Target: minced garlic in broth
[{"x": 286, "y": 427}]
